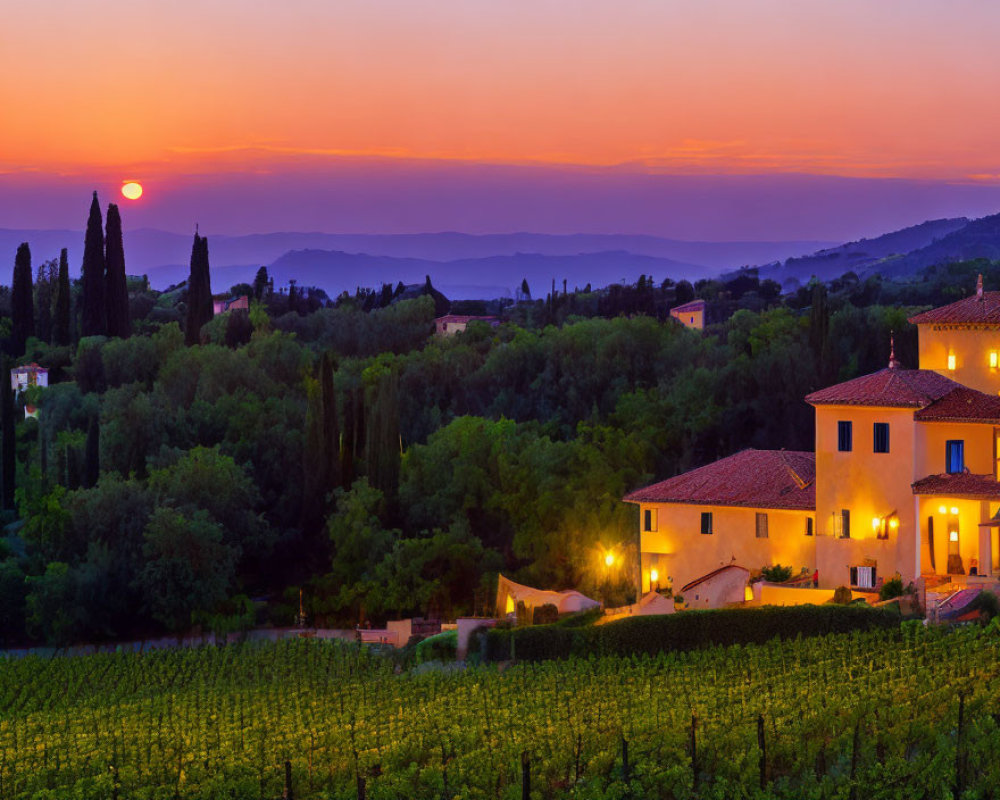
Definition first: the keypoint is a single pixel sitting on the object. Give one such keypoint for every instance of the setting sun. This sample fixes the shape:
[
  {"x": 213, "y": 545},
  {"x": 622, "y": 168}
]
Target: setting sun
[{"x": 132, "y": 190}]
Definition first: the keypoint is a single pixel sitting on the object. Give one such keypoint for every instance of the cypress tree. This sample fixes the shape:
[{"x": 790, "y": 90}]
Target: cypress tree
[
  {"x": 260, "y": 283},
  {"x": 94, "y": 318},
  {"x": 22, "y": 301},
  {"x": 331, "y": 425},
  {"x": 382, "y": 456},
  {"x": 8, "y": 448},
  {"x": 116, "y": 289},
  {"x": 92, "y": 455},
  {"x": 61, "y": 318},
  {"x": 45, "y": 281},
  {"x": 199, "y": 310}
]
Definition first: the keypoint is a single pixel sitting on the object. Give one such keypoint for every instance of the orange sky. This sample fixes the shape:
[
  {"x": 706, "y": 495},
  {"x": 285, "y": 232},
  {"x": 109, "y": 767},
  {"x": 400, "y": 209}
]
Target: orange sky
[{"x": 887, "y": 88}]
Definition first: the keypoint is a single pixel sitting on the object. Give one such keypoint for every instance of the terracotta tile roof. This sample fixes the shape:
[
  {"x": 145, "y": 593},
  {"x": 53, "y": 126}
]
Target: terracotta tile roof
[
  {"x": 463, "y": 318},
  {"x": 694, "y": 305},
  {"x": 903, "y": 388},
  {"x": 712, "y": 574},
  {"x": 962, "y": 405},
  {"x": 972, "y": 309},
  {"x": 958, "y": 483},
  {"x": 751, "y": 479}
]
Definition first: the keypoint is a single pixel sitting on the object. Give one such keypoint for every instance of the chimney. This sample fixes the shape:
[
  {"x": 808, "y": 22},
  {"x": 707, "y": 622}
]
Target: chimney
[
  {"x": 893, "y": 363},
  {"x": 979, "y": 287}
]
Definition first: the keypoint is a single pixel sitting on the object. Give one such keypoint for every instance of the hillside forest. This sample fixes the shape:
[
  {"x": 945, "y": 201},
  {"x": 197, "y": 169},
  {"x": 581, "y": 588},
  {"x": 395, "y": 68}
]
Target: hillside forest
[{"x": 189, "y": 469}]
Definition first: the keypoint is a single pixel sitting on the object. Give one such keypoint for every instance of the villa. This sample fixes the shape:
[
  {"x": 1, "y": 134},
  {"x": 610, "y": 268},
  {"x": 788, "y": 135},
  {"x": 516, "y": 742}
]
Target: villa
[{"x": 903, "y": 480}]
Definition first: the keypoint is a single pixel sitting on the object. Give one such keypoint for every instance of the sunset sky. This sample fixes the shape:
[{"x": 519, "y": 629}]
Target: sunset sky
[{"x": 261, "y": 106}]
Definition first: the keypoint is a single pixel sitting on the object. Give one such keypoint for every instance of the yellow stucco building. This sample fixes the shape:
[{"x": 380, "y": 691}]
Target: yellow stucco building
[
  {"x": 904, "y": 477},
  {"x": 690, "y": 315}
]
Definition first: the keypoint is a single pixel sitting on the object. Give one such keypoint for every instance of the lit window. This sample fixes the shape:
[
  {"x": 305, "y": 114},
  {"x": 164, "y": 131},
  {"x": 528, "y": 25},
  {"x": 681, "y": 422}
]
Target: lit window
[
  {"x": 951, "y": 361},
  {"x": 994, "y": 359}
]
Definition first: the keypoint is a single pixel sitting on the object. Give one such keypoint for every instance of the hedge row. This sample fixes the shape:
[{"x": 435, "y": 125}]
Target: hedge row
[{"x": 688, "y": 630}]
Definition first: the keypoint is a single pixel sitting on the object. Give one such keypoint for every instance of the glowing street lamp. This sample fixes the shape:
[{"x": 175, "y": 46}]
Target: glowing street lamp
[{"x": 609, "y": 559}]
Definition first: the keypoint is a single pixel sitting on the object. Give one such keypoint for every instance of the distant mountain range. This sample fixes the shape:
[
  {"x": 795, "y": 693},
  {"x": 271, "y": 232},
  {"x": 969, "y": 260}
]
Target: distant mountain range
[{"x": 493, "y": 265}]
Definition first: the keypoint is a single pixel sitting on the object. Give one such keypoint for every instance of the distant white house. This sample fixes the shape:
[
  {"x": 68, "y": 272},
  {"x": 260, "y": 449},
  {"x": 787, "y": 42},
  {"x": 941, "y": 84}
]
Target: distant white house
[{"x": 28, "y": 375}]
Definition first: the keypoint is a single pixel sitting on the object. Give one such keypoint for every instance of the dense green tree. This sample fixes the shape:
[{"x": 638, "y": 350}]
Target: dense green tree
[
  {"x": 8, "y": 449},
  {"x": 22, "y": 301},
  {"x": 188, "y": 569},
  {"x": 94, "y": 319},
  {"x": 13, "y": 591},
  {"x": 199, "y": 294},
  {"x": 51, "y": 608},
  {"x": 62, "y": 303},
  {"x": 115, "y": 289}
]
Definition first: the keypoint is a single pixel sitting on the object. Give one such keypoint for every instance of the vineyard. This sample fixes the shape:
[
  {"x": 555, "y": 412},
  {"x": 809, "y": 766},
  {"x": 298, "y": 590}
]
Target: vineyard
[{"x": 907, "y": 712}]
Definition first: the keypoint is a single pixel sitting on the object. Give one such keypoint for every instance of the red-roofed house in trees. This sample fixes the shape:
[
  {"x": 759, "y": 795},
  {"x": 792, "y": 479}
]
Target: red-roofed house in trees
[
  {"x": 690, "y": 315},
  {"x": 904, "y": 478},
  {"x": 28, "y": 375},
  {"x": 451, "y": 324}
]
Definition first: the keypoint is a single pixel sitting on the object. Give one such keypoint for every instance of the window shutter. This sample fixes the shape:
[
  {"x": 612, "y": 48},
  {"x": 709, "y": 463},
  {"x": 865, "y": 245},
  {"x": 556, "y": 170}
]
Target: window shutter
[{"x": 854, "y": 576}]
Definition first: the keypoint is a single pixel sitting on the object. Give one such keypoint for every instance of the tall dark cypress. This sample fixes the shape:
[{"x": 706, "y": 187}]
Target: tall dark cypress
[
  {"x": 199, "y": 299},
  {"x": 61, "y": 318},
  {"x": 8, "y": 448},
  {"x": 331, "y": 425},
  {"x": 116, "y": 289},
  {"x": 382, "y": 444},
  {"x": 22, "y": 301},
  {"x": 92, "y": 456},
  {"x": 94, "y": 320}
]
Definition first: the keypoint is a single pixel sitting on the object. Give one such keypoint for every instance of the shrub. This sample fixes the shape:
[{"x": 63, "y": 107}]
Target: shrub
[
  {"x": 988, "y": 604},
  {"x": 842, "y": 595},
  {"x": 688, "y": 631},
  {"x": 891, "y": 588},
  {"x": 545, "y": 614},
  {"x": 776, "y": 573},
  {"x": 440, "y": 647}
]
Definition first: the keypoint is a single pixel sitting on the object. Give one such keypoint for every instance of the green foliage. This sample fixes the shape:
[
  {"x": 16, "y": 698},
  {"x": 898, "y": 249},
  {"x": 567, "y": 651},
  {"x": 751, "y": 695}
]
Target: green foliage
[
  {"x": 776, "y": 573},
  {"x": 683, "y": 631},
  {"x": 842, "y": 595},
  {"x": 545, "y": 614},
  {"x": 437, "y": 648},
  {"x": 891, "y": 588},
  {"x": 189, "y": 568}
]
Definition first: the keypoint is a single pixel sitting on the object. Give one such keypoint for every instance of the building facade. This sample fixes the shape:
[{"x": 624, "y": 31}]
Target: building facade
[{"x": 903, "y": 480}]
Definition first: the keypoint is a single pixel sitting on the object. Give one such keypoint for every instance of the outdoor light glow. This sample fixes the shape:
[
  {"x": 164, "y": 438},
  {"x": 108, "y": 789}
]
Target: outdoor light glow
[
  {"x": 951, "y": 361},
  {"x": 894, "y": 523},
  {"x": 953, "y": 536},
  {"x": 875, "y": 523},
  {"x": 654, "y": 576},
  {"x": 954, "y": 510},
  {"x": 942, "y": 510},
  {"x": 993, "y": 359},
  {"x": 609, "y": 560}
]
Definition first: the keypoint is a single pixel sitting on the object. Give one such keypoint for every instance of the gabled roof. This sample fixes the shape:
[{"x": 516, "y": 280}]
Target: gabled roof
[
  {"x": 694, "y": 305},
  {"x": 962, "y": 405},
  {"x": 888, "y": 388},
  {"x": 751, "y": 478},
  {"x": 712, "y": 574},
  {"x": 984, "y": 310},
  {"x": 463, "y": 318},
  {"x": 958, "y": 483}
]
